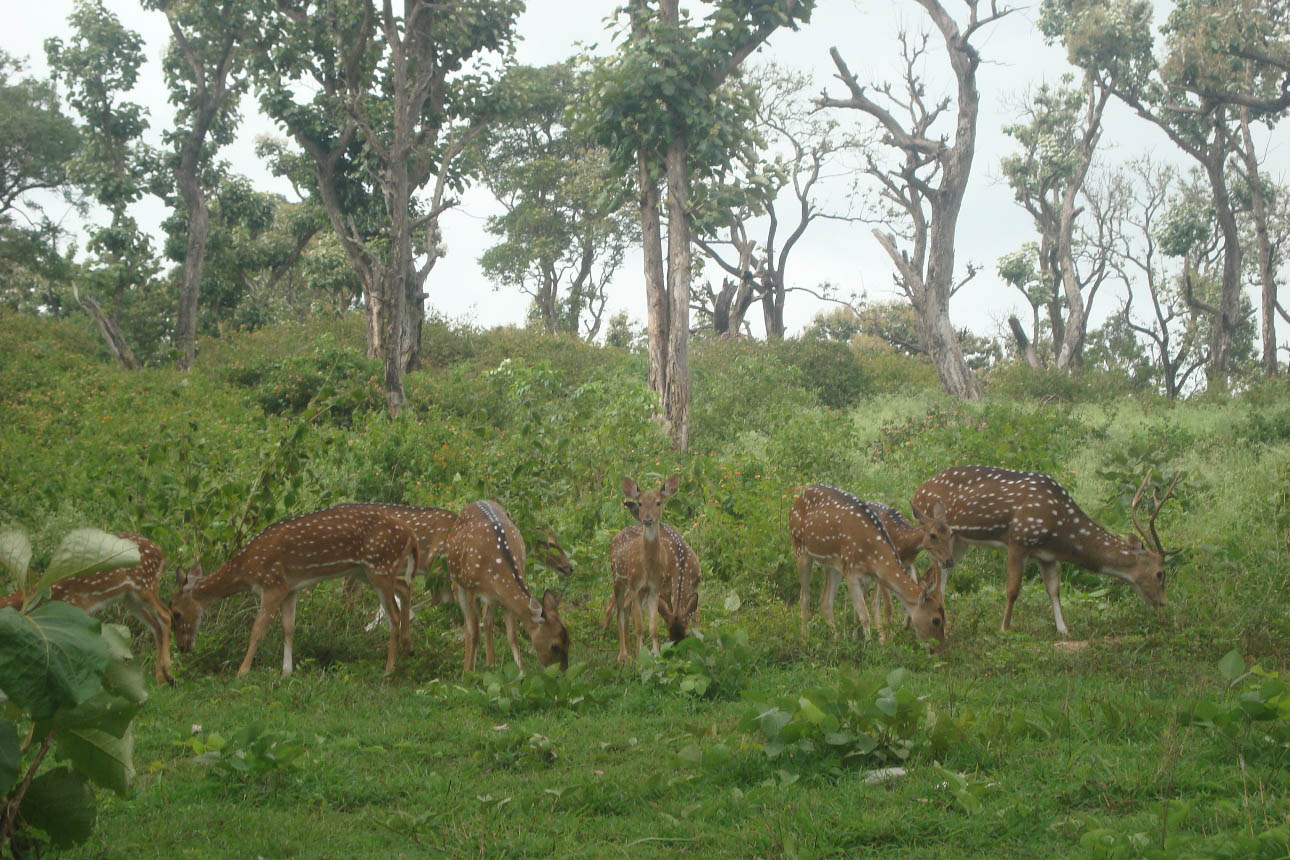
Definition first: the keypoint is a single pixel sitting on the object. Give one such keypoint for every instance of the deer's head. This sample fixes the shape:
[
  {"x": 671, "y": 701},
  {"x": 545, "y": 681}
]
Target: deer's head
[
  {"x": 927, "y": 614},
  {"x": 547, "y": 549},
  {"x": 678, "y": 620},
  {"x": 938, "y": 537},
  {"x": 1147, "y": 571},
  {"x": 648, "y": 507},
  {"x": 550, "y": 636},
  {"x": 185, "y": 610}
]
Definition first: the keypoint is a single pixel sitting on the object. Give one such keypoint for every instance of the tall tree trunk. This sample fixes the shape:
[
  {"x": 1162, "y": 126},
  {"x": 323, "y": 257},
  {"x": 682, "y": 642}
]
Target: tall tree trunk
[
  {"x": 656, "y": 305},
  {"x": 1024, "y": 343},
  {"x": 676, "y": 400},
  {"x": 956, "y": 377},
  {"x": 194, "y": 256},
  {"x": 1223, "y": 324},
  {"x": 112, "y": 335},
  {"x": 1267, "y": 277},
  {"x": 772, "y": 305}
]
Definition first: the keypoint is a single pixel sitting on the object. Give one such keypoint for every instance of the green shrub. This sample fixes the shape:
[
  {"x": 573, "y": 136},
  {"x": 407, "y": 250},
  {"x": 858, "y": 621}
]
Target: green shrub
[
  {"x": 830, "y": 369},
  {"x": 350, "y": 382},
  {"x": 1019, "y": 381}
]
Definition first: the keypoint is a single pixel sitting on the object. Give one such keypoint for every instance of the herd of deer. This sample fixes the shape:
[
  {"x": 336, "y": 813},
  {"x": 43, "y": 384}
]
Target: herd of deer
[{"x": 654, "y": 570}]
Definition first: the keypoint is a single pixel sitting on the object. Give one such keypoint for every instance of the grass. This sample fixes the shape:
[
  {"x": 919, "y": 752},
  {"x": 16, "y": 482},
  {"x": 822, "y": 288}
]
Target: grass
[{"x": 416, "y": 764}]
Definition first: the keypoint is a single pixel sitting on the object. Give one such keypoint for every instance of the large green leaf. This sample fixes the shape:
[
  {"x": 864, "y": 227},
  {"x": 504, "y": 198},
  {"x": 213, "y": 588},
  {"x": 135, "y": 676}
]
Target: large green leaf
[
  {"x": 87, "y": 551},
  {"x": 107, "y": 760},
  {"x": 113, "y": 707},
  {"x": 10, "y": 756},
  {"x": 61, "y": 803},
  {"x": 50, "y": 658},
  {"x": 15, "y": 554}
]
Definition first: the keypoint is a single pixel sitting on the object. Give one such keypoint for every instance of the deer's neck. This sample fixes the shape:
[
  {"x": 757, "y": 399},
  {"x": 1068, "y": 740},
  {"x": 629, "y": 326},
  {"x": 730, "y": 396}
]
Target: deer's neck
[
  {"x": 226, "y": 581},
  {"x": 1094, "y": 548},
  {"x": 906, "y": 538},
  {"x": 893, "y": 574}
]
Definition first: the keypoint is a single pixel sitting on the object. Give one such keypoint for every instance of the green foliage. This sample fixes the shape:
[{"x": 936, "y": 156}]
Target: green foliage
[
  {"x": 510, "y": 690},
  {"x": 1018, "y": 380},
  {"x": 859, "y": 721},
  {"x": 716, "y": 669},
  {"x": 1254, "y": 717},
  {"x": 70, "y": 685},
  {"x": 832, "y": 370},
  {"x": 251, "y": 755},
  {"x": 347, "y": 380},
  {"x": 1000, "y": 434}
]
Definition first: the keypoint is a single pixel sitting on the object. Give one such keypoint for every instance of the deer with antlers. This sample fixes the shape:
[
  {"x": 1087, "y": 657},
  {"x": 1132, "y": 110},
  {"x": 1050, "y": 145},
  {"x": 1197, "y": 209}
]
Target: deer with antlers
[
  {"x": 653, "y": 566},
  {"x": 294, "y": 554},
  {"x": 135, "y": 586},
  {"x": 1032, "y": 516},
  {"x": 486, "y": 558},
  {"x": 847, "y": 536}
]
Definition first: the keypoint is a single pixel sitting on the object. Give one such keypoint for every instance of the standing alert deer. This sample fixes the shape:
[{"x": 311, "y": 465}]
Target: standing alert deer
[
  {"x": 848, "y": 537},
  {"x": 652, "y": 564},
  {"x": 136, "y": 586},
  {"x": 293, "y": 554},
  {"x": 1031, "y": 515},
  {"x": 486, "y": 562}
]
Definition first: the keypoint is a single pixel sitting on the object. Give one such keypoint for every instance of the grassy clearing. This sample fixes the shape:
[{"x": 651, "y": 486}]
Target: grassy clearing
[{"x": 1016, "y": 744}]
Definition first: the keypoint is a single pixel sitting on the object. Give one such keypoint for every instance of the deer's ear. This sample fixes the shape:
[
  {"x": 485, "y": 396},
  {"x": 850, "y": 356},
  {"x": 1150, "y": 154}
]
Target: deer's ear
[
  {"x": 692, "y": 605},
  {"x": 535, "y": 610},
  {"x": 630, "y": 490},
  {"x": 191, "y": 576},
  {"x": 550, "y": 603},
  {"x": 670, "y": 486},
  {"x": 930, "y": 591},
  {"x": 938, "y": 510},
  {"x": 664, "y": 608},
  {"x": 1134, "y": 542}
]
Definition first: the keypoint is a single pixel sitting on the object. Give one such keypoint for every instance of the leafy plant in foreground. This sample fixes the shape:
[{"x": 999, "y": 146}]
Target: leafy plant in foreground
[
  {"x": 699, "y": 666},
  {"x": 253, "y": 753},
  {"x": 69, "y": 687},
  {"x": 870, "y": 721},
  {"x": 1255, "y": 715},
  {"x": 509, "y": 690}
]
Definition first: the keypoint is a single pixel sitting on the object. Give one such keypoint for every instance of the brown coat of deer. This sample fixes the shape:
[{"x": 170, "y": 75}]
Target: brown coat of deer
[
  {"x": 1031, "y": 515},
  {"x": 653, "y": 566},
  {"x": 137, "y": 586},
  {"x": 486, "y": 562},
  {"x": 931, "y": 533},
  {"x": 294, "y": 554},
  {"x": 848, "y": 537}
]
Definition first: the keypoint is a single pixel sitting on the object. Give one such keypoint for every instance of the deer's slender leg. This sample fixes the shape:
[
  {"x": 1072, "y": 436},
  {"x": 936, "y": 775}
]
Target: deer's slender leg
[
  {"x": 804, "y": 579},
  {"x": 1053, "y": 584},
  {"x": 1016, "y": 564}
]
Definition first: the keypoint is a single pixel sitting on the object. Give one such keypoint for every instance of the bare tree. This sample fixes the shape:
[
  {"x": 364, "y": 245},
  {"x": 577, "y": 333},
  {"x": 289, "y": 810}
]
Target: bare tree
[
  {"x": 1171, "y": 327},
  {"x": 927, "y": 187},
  {"x": 797, "y": 150}
]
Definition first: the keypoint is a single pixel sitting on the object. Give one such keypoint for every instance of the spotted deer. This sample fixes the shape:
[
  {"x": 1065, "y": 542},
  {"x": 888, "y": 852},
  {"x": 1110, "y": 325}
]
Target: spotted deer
[
  {"x": 654, "y": 567},
  {"x": 486, "y": 558},
  {"x": 135, "y": 586},
  {"x": 1032, "y": 516},
  {"x": 292, "y": 555},
  {"x": 931, "y": 533},
  {"x": 847, "y": 536},
  {"x": 431, "y": 527}
]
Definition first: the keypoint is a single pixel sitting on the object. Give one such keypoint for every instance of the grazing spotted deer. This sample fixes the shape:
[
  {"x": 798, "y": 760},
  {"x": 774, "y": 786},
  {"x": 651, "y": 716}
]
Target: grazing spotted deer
[
  {"x": 653, "y": 566},
  {"x": 431, "y": 527},
  {"x": 848, "y": 537},
  {"x": 293, "y": 554},
  {"x": 486, "y": 562},
  {"x": 932, "y": 534},
  {"x": 136, "y": 586},
  {"x": 1031, "y": 515}
]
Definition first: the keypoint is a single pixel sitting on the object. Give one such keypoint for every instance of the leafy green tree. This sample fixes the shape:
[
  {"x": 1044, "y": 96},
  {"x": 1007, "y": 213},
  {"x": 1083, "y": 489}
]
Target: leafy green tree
[
  {"x": 925, "y": 184},
  {"x": 388, "y": 105},
  {"x": 1059, "y": 132},
  {"x": 204, "y": 70},
  {"x": 566, "y": 225},
  {"x": 71, "y": 690},
  {"x": 39, "y": 140},
  {"x": 98, "y": 66},
  {"x": 663, "y": 108}
]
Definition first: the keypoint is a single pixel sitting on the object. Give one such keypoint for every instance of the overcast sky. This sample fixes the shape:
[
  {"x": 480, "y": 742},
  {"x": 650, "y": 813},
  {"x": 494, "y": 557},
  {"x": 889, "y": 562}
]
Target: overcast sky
[{"x": 1015, "y": 60}]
